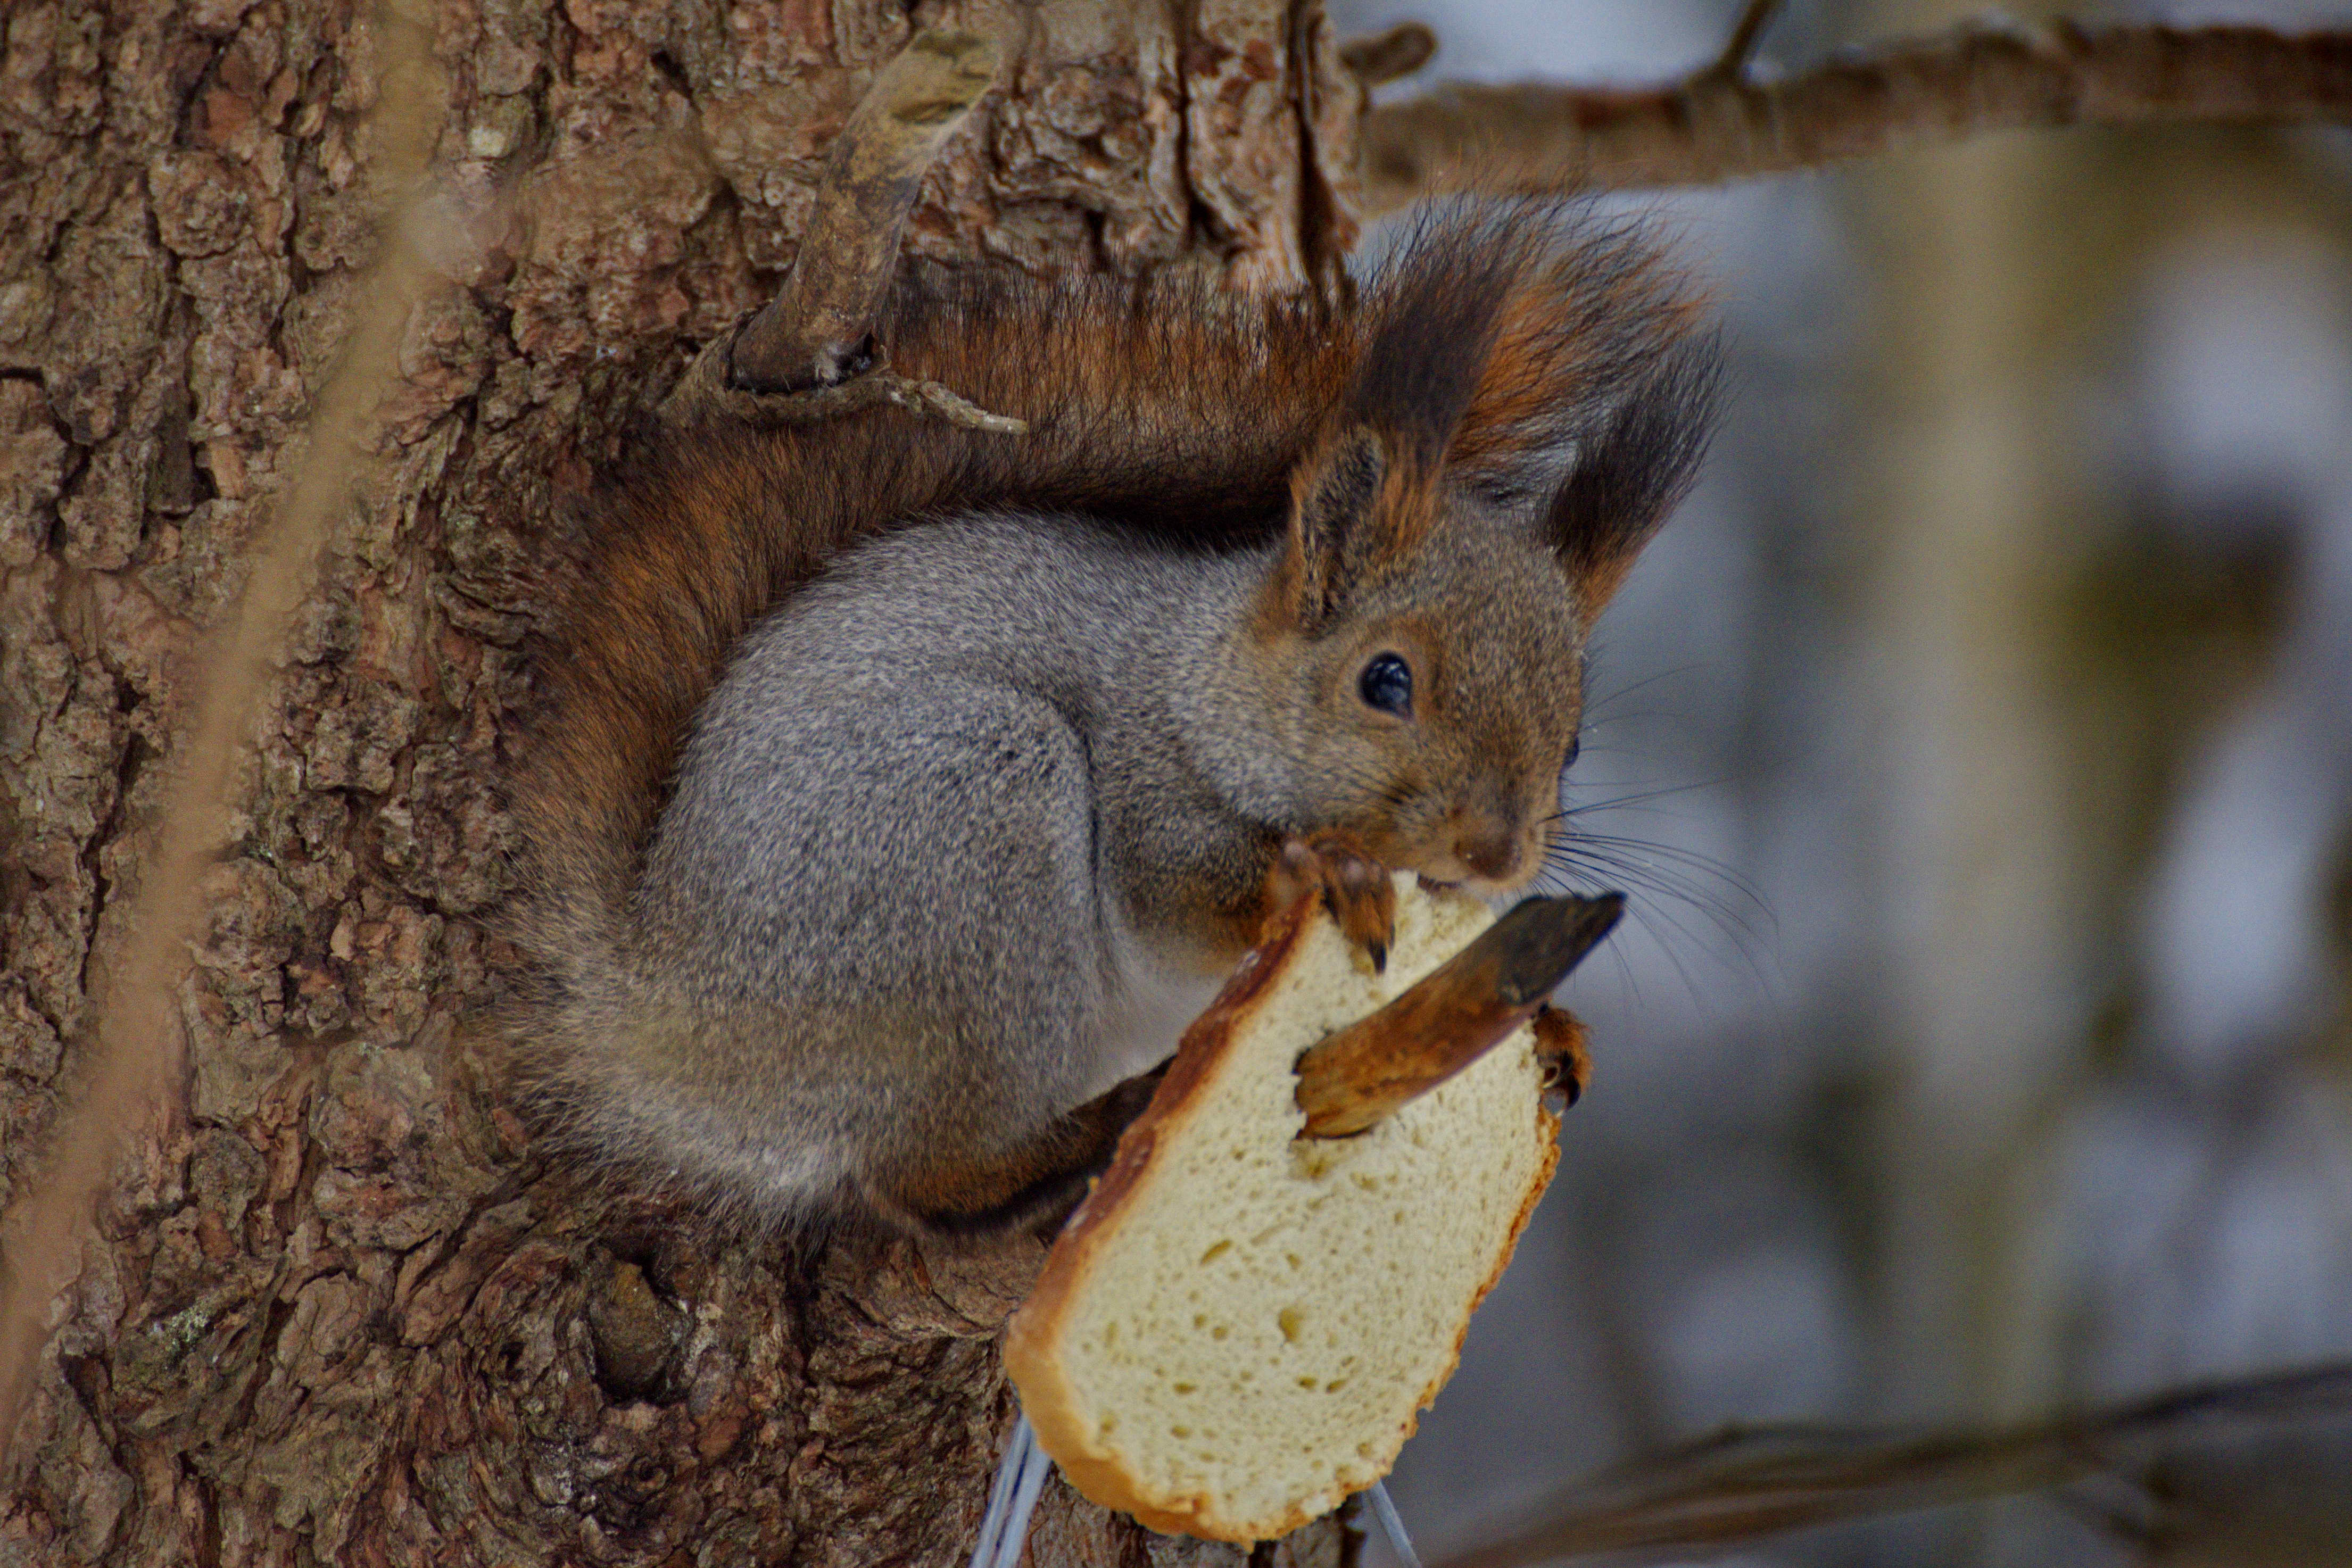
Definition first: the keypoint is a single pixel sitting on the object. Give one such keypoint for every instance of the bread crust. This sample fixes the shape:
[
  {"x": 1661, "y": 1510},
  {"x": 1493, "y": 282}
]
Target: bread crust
[
  {"x": 1030, "y": 1341},
  {"x": 1030, "y": 1338}
]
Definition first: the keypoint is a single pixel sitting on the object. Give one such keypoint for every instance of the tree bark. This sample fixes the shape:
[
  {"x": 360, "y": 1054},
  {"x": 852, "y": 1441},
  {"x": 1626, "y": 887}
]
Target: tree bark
[{"x": 336, "y": 1309}]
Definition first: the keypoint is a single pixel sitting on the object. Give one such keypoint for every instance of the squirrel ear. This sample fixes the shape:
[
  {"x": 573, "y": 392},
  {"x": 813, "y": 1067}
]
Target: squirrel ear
[
  {"x": 1333, "y": 495},
  {"x": 1630, "y": 472}
]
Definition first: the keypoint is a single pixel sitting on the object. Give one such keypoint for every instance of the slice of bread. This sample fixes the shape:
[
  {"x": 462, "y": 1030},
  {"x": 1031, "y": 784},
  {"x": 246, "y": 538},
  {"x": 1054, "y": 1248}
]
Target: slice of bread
[{"x": 1239, "y": 1328}]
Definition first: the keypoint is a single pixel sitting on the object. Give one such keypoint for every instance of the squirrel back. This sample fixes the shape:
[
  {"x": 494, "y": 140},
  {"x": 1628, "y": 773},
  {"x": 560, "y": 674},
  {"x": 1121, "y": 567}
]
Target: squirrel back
[{"x": 1504, "y": 359}]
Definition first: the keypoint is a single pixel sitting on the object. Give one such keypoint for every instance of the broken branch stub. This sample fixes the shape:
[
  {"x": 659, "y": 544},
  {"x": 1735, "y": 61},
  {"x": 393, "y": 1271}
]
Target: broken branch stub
[
  {"x": 814, "y": 333},
  {"x": 1385, "y": 57},
  {"x": 1452, "y": 1018}
]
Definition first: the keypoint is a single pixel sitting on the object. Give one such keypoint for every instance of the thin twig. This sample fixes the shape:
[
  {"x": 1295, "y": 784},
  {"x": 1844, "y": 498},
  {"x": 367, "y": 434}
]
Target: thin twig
[
  {"x": 1713, "y": 126},
  {"x": 877, "y": 389},
  {"x": 1741, "y": 1487},
  {"x": 133, "y": 1063}
]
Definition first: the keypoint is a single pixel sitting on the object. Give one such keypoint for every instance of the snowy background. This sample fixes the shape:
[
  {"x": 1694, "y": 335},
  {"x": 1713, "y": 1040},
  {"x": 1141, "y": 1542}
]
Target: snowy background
[{"x": 1984, "y": 733}]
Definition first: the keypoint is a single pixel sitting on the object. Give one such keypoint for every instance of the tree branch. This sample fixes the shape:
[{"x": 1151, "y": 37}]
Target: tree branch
[
  {"x": 1744, "y": 1486},
  {"x": 1716, "y": 125}
]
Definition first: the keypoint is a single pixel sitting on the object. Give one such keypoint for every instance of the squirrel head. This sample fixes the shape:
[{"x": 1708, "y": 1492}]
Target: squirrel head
[{"x": 1521, "y": 422}]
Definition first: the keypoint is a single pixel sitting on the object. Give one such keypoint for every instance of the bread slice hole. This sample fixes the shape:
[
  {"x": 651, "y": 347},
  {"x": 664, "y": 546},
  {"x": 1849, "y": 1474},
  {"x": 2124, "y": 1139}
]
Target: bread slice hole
[{"x": 1289, "y": 1321}]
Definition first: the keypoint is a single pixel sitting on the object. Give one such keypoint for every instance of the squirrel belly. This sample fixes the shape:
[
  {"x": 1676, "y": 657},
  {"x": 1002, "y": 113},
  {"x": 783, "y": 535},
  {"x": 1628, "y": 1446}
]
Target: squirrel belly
[{"x": 908, "y": 901}]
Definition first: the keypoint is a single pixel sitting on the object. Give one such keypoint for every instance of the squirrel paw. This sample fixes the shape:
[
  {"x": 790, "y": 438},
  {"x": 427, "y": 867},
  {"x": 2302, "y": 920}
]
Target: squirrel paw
[
  {"x": 1357, "y": 887},
  {"x": 1561, "y": 1039}
]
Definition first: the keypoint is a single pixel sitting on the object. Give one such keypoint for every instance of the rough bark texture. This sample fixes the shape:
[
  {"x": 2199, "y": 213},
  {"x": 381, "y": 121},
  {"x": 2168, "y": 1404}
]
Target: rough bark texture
[{"x": 337, "y": 1311}]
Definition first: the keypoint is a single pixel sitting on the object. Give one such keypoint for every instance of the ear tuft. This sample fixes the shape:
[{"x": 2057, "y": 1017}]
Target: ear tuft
[
  {"x": 1633, "y": 469},
  {"x": 1434, "y": 310},
  {"x": 1333, "y": 496},
  {"x": 1522, "y": 353},
  {"x": 1595, "y": 392}
]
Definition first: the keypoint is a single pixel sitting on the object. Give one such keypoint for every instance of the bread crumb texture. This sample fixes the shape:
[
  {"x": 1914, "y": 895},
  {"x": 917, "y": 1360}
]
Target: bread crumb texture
[{"x": 1265, "y": 1317}]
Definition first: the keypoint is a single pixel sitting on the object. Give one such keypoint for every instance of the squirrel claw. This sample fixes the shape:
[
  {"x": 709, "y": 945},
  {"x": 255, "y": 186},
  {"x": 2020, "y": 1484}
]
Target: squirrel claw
[
  {"x": 1357, "y": 887},
  {"x": 1561, "y": 1039}
]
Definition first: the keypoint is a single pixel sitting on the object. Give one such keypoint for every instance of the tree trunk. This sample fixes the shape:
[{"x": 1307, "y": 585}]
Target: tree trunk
[{"x": 337, "y": 1310}]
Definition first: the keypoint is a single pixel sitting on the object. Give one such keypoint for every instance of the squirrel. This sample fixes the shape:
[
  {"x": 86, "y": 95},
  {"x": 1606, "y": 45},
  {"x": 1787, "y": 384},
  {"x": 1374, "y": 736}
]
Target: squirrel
[{"x": 896, "y": 786}]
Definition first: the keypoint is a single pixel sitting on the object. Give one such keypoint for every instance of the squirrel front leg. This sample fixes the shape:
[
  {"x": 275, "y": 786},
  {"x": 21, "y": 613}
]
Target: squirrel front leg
[{"x": 1333, "y": 863}]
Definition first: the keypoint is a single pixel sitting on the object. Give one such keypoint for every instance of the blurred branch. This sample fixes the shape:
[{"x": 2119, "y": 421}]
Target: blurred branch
[
  {"x": 1720, "y": 124},
  {"x": 1741, "y": 1486},
  {"x": 1744, "y": 36},
  {"x": 1384, "y": 57}
]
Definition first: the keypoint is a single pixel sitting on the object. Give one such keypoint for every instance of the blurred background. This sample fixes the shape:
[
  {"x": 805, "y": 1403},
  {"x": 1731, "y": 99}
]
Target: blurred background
[{"x": 1977, "y": 747}]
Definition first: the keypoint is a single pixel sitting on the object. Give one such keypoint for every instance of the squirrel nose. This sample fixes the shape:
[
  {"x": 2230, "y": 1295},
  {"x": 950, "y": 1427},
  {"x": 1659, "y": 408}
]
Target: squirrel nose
[{"x": 1490, "y": 849}]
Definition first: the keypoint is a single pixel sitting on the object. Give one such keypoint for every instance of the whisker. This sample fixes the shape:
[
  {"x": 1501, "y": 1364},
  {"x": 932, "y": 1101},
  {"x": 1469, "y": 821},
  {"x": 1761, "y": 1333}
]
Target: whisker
[
  {"x": 1664, "y": 891},
  {"x": 1600, "y": 724},
  {"x": 1660, "y": 882},
  {"x": 1599, "y": 706},
  {"x": 1651, "y": 907},
  {"x": 1674, "y": 855},
  {"x": 1681, "y": 869},
  {"x": 1554, "y": 880},
  {"x": 1621, "y": 801}
]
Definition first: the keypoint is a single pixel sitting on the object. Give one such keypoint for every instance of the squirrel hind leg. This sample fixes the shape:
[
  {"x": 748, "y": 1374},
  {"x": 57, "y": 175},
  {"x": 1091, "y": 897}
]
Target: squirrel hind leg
[{"x": 1036, "y": 1189}]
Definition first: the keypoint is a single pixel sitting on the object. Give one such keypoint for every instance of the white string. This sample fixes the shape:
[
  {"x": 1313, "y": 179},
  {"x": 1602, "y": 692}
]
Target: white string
[
  {"x": 1024, "y": 1499},
  {"x": 1008, "y": 1471},
  {"x": 1020, "y": 1476},
  {"x": 1392, "y": 1524}
]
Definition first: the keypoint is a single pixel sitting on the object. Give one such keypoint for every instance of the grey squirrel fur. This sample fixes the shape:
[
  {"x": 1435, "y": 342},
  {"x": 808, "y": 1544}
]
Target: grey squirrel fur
[{"x": 991, "y": 772}]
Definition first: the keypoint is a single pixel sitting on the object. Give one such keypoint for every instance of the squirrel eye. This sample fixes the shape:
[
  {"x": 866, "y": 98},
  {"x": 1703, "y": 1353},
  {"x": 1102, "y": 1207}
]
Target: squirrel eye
[
  {"x": 1387, "y": 684},
  {"x": 1575, "y": 748}
]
